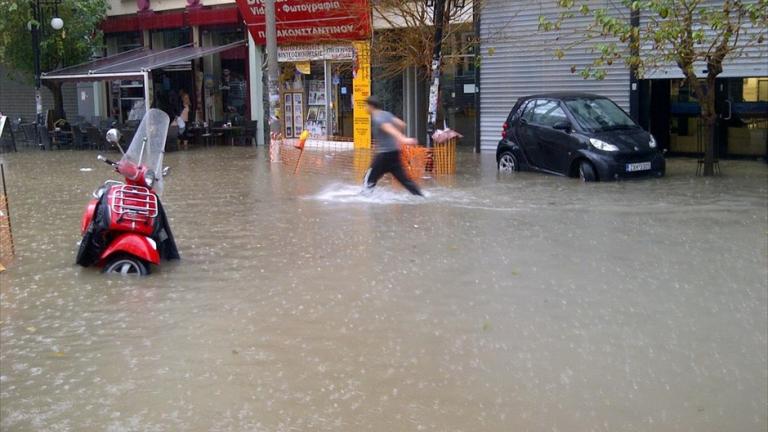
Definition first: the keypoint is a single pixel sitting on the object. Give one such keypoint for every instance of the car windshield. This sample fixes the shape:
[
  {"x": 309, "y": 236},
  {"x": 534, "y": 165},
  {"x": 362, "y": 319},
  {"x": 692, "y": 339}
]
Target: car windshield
[{"x": 599, "y": 114}]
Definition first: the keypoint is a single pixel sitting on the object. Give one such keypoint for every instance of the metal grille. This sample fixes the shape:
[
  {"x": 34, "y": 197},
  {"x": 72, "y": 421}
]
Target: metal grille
[{"x": 133, "y": 203}]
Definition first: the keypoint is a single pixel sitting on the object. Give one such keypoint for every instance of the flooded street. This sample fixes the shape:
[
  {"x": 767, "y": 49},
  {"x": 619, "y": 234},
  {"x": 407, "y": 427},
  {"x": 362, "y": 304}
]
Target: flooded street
[{"x": 522, "y": 303}]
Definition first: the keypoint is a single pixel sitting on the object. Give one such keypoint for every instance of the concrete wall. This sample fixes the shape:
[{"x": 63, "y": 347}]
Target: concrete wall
[{"x": 17, "y": 96}]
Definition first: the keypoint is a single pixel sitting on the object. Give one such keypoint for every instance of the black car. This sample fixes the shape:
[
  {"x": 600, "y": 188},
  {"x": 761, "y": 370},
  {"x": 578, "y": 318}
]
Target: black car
[{"x": 576, "y": 134}]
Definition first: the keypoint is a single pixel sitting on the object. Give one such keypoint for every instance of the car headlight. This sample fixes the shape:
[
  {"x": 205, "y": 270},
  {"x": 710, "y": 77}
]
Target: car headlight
[
  {"x": 149, "y": 178},
  {"x": 602, "y": 145},
  {"x": 652, "y": 142}
]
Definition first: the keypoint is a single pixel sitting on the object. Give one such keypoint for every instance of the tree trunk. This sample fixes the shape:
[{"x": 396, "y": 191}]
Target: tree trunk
[
  {"x": 705, "y": 93},
  {"x": 58, "y": 99},
  {"x": 709, "y": 116}
]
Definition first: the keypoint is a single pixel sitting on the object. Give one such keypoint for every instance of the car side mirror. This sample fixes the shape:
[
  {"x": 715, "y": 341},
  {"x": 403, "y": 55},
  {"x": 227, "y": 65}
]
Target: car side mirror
[{"x": 564, "y": 126}]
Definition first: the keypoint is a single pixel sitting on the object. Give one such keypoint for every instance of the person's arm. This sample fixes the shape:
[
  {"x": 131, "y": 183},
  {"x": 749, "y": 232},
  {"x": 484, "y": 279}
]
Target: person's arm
[
  {"x": 399, "y": 123},
  {"x": 395, "y": 132}
]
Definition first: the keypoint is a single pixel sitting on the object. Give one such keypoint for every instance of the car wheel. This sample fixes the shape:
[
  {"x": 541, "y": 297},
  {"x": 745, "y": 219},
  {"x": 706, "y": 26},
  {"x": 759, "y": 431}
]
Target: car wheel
[
  {"x": 508, "y": 163},
  {"x": 126, "y": 265},
  {"x": 587, "y": 172}
]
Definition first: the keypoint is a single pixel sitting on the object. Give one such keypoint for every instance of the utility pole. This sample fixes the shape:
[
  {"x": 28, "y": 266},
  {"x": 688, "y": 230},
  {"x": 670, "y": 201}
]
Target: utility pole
[
  {"x": 35, "y": 28},
  {"x": 438, "y": 16},
  {"x": 272, "y": 69},
  {"x": 634, "y": 51}
]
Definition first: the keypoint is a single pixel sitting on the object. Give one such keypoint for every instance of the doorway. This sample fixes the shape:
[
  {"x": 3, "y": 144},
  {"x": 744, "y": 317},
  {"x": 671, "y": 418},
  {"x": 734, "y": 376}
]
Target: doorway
[
  {"x": 743, "y": 109},
  {"x": 342, "y": 108}
]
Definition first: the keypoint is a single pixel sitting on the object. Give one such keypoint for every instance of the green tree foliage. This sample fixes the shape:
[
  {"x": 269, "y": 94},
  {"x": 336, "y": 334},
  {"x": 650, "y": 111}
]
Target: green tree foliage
[
  {"x": 73, "y": 44},
  {"x": 683, "y": 33}
]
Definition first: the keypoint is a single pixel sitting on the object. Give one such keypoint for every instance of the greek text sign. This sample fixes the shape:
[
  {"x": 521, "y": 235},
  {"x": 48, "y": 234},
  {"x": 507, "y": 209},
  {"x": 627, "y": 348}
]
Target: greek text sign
[
  {"x": 305, "y": 21},
  {"x": 295, "y": 53}
]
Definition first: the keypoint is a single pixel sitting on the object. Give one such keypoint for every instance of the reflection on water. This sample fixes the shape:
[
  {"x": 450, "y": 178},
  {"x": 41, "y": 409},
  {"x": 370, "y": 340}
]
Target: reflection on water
[{"x": 519, "y": 303}]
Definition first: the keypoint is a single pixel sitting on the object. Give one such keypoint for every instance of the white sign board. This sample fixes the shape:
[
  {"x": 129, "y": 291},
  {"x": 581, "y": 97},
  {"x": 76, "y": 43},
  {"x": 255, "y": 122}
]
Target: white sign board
[{"x": 294, "y": 53}]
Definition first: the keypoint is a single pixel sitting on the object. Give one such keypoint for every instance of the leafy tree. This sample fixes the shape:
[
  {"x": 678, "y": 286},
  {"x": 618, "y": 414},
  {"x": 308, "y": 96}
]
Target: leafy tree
[
  {"x": 691, "y": 34},
  {"x": 73, "y": 44},
  {"x": 410, "y": 36}
]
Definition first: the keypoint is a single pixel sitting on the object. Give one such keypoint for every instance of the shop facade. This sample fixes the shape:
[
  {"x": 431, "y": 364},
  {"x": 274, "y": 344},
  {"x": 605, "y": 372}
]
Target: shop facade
[
  {"x": 518, "y": 60},
  {"x": 217, "y": 84},
  {"x": 324, "y": 64}
]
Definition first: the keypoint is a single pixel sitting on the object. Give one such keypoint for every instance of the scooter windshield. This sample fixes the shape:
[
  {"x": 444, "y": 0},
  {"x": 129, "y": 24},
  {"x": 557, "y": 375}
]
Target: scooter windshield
[{"x": 148, "y": 145}]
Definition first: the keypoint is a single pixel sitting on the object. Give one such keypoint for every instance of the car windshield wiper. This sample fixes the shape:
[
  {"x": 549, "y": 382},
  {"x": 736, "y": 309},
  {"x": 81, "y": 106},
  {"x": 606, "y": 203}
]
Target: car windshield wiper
[{"x": 617, "y": 127}]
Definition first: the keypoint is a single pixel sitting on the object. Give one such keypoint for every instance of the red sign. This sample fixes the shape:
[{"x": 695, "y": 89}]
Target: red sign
[{"x": 305, "y": 21}]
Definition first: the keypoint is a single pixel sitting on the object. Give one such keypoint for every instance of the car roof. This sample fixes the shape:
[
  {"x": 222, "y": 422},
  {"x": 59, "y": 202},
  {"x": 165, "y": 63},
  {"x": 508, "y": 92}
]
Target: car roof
[{"x": 564, "y": 95}]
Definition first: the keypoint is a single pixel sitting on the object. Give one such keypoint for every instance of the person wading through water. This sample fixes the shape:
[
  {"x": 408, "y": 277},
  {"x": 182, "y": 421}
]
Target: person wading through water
[{"x": 389, "y": 136}]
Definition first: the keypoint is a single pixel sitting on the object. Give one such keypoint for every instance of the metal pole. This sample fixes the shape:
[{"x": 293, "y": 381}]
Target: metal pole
[
  {"x": 147, "y": 92},
  {"x": 35, "y": 29},
  {"x": 634, "y": 80},
  {"x": 434, "y": 89},
  {"x": 272, "y": 68},
  {"x": 476, "y": 16}
]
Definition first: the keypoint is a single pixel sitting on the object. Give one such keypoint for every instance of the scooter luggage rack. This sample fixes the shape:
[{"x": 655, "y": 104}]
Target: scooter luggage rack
[{"x": 134, "y": 203}]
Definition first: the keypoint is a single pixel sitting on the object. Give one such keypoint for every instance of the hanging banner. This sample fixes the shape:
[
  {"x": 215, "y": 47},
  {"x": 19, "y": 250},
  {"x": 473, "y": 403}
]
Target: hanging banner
[
  {"x": 309, "y": 20},
  {"x": 361, "y": 89}
]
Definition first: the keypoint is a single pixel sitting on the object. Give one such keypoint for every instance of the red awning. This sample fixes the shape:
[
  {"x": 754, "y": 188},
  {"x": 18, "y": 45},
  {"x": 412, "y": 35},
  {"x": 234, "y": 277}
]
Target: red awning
[
  {"x": 156, "y": 21},
  {"x": 120, "y": 24},
  {"x": 211, "y": 17},
  {"x": 166, "y": 20}
]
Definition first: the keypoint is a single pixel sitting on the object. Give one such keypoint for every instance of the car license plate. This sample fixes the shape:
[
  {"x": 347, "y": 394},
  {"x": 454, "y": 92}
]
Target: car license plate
[{"x": 639, "y": 166}]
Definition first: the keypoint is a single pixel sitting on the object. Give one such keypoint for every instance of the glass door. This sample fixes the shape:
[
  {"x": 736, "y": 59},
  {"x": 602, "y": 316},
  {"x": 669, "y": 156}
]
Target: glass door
[{"x": 744, "y": 116}]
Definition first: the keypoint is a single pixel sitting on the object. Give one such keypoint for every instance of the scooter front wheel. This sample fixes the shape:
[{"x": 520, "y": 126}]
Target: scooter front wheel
[{"x": 126, "y": 265}]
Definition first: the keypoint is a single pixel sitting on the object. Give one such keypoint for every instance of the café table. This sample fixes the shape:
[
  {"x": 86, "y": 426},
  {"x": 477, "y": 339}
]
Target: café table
[{"x": 229, "y": 132}]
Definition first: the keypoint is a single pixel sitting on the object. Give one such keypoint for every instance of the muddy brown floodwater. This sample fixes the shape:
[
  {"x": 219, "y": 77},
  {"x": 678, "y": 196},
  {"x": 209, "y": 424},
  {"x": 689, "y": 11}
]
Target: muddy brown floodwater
[{"x": 522, "y": 303}]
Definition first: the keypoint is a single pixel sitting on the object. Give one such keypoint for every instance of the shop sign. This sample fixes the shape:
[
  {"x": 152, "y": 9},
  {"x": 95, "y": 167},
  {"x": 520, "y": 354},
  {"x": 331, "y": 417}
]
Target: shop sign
[
  {"x": 297, "y": 53},
  {"x": 303, "y": 21}
]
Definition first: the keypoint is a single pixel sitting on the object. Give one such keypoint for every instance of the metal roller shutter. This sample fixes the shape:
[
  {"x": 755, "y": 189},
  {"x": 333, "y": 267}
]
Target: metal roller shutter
[{"x": 517, "y": 60}]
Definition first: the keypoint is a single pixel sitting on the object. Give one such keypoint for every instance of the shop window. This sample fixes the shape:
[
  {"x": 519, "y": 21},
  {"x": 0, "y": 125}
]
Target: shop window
[
  {"x": 234, "y": 89},
  {"x": 389, "y": 91},
  {"x": 127, "y": 41},
  {"x": 172, "y": 38},
  {"x": 755, "y": 89}
]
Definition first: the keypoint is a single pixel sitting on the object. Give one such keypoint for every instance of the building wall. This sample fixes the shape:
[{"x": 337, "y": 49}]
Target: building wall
[
  {"x": 517, "y": 60},
  {"x": 17, "y": 96},
  {"x": 125, "y": 7},
  {"x": 753, "y": 62}
]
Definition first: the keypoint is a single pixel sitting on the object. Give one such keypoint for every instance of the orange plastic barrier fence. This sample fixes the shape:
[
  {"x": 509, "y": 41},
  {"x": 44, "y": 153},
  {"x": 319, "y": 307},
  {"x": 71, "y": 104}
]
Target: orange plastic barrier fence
[
  {"x": 6, "y": 238},
  {"x": 444, "y": 157},
  {"x": 340, "y": 157}
]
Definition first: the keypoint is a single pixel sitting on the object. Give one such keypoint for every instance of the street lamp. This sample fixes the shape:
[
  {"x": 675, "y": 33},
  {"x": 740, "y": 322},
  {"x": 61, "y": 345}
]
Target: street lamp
[
  {"x": 38, "y": 13},
  {"x": 57, "y": 23}
]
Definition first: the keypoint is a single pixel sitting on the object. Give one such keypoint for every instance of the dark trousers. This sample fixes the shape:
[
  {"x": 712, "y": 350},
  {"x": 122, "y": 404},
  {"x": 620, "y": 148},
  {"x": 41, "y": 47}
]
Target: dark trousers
[{"x": 389, "y": 162}]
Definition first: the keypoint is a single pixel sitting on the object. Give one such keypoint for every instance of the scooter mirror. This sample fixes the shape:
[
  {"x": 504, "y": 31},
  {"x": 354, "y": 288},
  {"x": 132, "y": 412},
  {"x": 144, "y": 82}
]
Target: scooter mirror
[{"x": 113, "y": 136}]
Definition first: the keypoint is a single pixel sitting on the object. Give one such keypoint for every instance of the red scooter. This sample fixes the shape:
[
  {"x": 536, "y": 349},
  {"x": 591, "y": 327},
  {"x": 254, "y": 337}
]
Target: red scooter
[{"x": 124, "y": 226}]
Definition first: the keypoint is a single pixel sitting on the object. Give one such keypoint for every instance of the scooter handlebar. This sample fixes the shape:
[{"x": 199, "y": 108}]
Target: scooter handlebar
[{"x": 105, "y": 160}]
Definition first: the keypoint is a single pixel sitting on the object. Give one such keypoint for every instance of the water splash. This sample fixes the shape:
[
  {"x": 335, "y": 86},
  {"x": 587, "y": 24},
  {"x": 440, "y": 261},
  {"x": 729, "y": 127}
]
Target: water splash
[{"x": 347, "y": 193}]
